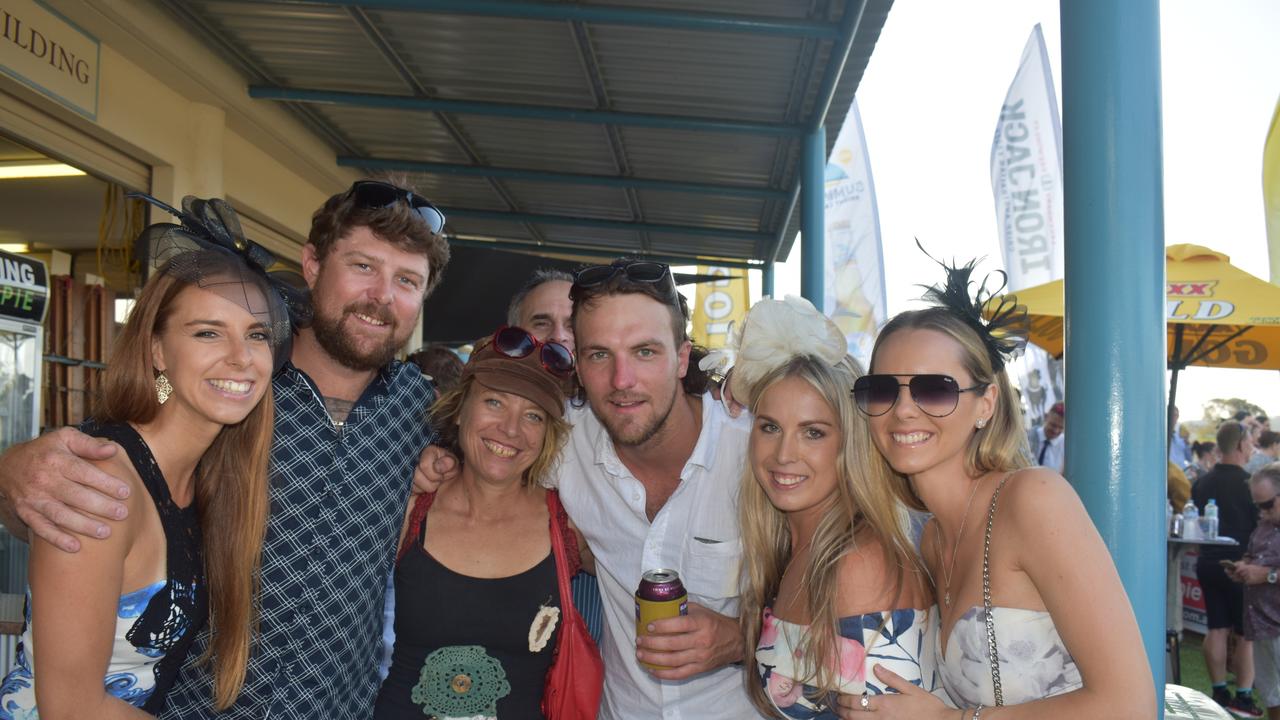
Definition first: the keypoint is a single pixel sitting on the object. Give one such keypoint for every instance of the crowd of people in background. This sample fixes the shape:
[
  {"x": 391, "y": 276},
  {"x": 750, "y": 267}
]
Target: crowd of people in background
[
  {"x": 1236, "y": 473},
  {"x": 886, "y": 540}
]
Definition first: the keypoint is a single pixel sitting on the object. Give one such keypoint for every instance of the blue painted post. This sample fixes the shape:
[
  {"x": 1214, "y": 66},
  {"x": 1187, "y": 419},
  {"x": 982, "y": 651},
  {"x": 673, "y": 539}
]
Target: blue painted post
[
  {"x": 1115, "y": 291},
  {"x": 813, "y": 165},
  {"x": 766, "y": 280}
]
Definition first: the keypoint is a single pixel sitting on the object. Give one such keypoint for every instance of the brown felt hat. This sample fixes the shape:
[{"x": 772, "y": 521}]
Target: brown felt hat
[{"x": 524, "y": 376}]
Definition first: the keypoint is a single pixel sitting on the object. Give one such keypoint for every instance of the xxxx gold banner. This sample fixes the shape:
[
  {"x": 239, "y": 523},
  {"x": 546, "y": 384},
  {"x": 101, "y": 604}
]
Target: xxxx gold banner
[{"x": 718, "y": 304}]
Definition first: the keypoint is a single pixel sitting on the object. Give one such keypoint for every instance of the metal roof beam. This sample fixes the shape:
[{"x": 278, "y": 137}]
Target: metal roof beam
[
  {"x": 436, "y": 168},
  {"x": 649, "y": 17},
  {"x": 570, "y": 221},
  {"x": 849, "y": 23},
  {"x": 598, "y": 252},
  {"x": 522, "y": 112}
]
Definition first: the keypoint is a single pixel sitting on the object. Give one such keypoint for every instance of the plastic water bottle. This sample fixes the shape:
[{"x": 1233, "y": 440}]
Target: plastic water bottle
[
  {"x": 1190, "y": 521},
  {"x": 1168, "y": 518},
  {"x": 1211, "y": 517}
]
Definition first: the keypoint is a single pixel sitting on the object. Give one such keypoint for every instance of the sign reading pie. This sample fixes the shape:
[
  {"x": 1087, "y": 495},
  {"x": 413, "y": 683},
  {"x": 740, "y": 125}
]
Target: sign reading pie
[{"x": 49, "y": 53}]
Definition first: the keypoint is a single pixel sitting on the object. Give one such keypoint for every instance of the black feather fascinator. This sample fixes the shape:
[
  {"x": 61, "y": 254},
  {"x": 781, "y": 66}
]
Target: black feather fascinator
[
  {"x": 999, "y": 320},
  {"x": 212, "y": 224}
]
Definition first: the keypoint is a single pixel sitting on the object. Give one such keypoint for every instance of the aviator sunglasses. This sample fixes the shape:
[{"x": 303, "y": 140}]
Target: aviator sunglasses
[
  {"x": 935, "y": 395},
  {"x": 1266, "y": 505},
  {"x": 375, "y": 194},
  {"x": 651, "y": 273},
  {"x": 517, "y": 343}
]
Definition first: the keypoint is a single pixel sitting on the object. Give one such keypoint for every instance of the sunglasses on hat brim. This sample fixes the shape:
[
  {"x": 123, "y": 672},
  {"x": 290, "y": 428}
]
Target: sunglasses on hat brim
[{"x": 516, "y": 343}]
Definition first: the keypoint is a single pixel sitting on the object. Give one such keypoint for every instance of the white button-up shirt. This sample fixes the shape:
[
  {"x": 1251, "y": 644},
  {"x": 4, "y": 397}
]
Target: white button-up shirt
[{"x": 696, "y": 533}]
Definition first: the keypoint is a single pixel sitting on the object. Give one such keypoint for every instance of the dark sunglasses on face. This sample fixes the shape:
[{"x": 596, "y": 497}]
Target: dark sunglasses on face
[
  {"x": 375, "y": 194},
  {"x": 1266, "y": 505},
  {"x": 651, "y": 273},
  {"x": 935, "y": 395},
  {"x": 517, "y": 343}
]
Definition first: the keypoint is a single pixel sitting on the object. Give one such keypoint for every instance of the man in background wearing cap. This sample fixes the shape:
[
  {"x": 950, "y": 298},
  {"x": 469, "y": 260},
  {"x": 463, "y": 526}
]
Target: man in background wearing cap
[{"x": 350, "y": 424}]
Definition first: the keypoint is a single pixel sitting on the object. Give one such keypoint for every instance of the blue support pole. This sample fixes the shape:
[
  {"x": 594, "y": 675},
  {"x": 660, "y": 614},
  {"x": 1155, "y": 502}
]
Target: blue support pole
[
  {"x": 813, "y": 165},
  {"x": 766, "y": 280},
  {"x": 1115, "y": 291}
]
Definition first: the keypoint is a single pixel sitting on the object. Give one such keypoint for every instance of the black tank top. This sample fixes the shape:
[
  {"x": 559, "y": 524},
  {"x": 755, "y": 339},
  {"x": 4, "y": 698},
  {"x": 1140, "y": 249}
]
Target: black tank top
[
  {"x": 175, "y": 615},
  {"x": 463, "y": 644}
]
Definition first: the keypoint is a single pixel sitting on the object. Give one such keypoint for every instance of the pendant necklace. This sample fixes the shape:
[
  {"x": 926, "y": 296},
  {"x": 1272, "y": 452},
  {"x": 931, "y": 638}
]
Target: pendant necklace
[{"x": 946, "y": 572}]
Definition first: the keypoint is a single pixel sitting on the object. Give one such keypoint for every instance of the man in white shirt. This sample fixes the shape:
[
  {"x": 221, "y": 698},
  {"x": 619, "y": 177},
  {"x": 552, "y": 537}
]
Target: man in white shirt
[
  {"x": 650, "y": 476},
  {"x": 1047, "y": 442}
]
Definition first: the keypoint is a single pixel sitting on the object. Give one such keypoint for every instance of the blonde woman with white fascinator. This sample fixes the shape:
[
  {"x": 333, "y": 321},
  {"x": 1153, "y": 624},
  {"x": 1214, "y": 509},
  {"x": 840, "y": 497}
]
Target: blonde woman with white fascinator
[{"x": 833, "y": 584}]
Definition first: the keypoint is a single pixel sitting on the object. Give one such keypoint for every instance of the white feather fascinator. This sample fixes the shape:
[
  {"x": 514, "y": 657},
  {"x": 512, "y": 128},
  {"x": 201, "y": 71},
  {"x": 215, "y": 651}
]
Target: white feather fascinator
[{"x": 774, "y": 332}]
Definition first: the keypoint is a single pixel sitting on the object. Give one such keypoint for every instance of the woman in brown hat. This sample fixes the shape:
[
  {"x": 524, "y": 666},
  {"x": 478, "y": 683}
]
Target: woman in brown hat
[{"x": 478, "y": 607}]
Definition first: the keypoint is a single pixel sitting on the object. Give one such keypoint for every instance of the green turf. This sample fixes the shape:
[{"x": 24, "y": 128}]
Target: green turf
[{"x": 1194, "y": 673}]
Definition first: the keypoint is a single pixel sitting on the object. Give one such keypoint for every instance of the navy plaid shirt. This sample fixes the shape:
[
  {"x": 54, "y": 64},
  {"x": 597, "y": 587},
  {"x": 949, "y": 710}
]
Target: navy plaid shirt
[{"x": 337, "y": 502}]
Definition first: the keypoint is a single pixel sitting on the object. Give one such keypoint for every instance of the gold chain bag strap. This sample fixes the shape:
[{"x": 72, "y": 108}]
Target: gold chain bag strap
[{"x": 986, "y": 596}]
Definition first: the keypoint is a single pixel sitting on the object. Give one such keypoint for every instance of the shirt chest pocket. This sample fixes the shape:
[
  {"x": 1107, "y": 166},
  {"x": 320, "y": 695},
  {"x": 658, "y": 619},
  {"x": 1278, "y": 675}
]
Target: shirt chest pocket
[{"x": 713, "y": 569}]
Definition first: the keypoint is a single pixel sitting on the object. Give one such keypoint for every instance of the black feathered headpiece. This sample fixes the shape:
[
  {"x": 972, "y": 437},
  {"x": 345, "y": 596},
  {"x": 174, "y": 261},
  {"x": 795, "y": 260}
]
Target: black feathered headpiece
[
  {"x": 212, "y": 224},
  {"x": 1000, "y": 321}
]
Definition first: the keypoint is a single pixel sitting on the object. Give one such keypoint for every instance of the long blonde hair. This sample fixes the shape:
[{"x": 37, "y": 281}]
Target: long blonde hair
[
  {"x": 1002, "y": 445},
  {"x": 870, "y": 502},
  {"x": 230, "y": 480}
]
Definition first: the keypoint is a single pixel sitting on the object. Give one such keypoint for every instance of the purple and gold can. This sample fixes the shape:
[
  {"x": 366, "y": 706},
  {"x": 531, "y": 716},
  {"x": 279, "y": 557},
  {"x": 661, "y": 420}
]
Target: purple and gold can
[{"x": 660, "y": 595}]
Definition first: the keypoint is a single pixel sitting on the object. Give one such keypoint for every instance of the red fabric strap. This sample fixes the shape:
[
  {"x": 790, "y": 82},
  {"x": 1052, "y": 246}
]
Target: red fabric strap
[{"x": 417, "y": 517}]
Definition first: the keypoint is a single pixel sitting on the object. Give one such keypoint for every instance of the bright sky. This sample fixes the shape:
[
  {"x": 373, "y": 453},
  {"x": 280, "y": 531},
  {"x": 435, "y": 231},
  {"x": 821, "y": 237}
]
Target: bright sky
[{"x": 929, "y": 102}]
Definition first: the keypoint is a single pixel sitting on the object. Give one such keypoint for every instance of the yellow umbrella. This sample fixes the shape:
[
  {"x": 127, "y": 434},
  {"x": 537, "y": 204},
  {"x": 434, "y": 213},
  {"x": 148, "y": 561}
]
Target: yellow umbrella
[{"x": 1218, "y": 315}]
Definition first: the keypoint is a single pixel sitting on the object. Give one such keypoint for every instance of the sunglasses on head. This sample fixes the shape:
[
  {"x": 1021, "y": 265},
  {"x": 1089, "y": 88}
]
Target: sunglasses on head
[
  {"x": 935, "y": 395},
  {"x": 651, "y": 273},
  {"x": 375, "y": 194},
  {"x": 1266, "y": 505},
  {"x": 517, "y": 343}
]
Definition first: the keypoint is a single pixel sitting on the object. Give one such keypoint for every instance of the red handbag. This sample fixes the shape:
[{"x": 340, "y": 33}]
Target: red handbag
[{"x": 572, "y": 690}]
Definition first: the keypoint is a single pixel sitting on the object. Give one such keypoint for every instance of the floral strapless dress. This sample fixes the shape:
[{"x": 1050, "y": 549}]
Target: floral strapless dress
[{"x": 904, "y": 641}]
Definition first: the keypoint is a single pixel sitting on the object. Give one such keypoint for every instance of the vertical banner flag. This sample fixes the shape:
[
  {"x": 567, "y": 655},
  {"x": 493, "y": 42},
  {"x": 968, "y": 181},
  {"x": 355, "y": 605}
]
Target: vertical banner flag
[
  {"x": 1271, "y": 192},
  {"x": 1026, "y": 178},
  {"x": 718, "y": 305},
  {"x": 854, "y": 295}
]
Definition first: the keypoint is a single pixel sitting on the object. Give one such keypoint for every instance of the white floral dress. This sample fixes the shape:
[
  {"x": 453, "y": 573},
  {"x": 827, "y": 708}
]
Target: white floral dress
[
  {"x": 1034, "y": 662},
  {"x": 903, "y": 641}
]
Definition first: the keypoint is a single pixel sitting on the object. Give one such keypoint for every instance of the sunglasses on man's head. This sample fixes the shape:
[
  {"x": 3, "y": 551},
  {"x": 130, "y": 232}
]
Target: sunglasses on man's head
[
  {"x": 518, "y": 343},
  {"x": 935, "y": 395},
  {"x": 651, "y": 273},
  {"x": 1266, "y": 505},
  {"x": 375, "y": 194}
]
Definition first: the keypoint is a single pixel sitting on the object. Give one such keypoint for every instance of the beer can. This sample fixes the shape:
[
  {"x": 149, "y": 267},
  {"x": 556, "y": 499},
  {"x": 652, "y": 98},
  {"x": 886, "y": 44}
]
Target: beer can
[{"x": 660, "y": 595}]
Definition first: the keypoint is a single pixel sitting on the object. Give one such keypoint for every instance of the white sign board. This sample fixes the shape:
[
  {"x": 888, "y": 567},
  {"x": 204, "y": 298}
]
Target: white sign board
[{"x": 50, "y": 54}]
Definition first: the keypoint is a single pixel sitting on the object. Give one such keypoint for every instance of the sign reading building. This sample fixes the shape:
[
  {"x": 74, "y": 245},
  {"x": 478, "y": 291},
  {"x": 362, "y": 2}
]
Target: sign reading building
[{"x": 49, "y": 53}]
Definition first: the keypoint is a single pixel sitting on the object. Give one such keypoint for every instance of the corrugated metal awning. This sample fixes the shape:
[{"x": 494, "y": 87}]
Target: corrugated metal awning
[{"x": 670, "y": 128}]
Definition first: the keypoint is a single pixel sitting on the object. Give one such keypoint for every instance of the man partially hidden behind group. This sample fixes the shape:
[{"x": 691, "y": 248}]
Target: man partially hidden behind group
[
  {"x": 1259, "y": 571},
  {"x": 349, "y": 427}
]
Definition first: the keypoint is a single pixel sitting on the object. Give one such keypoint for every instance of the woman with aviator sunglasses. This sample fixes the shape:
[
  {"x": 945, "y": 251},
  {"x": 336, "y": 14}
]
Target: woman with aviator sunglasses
[
  {"x": 478, "y": 607},
  {"x": 1024, "y": 584}
]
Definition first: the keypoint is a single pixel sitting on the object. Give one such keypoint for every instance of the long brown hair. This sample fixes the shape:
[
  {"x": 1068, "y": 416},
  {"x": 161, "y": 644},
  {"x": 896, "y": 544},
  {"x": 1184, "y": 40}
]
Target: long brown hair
[
  {"x": 870, "y": 503},
  {"x": 230, "y": 481}
]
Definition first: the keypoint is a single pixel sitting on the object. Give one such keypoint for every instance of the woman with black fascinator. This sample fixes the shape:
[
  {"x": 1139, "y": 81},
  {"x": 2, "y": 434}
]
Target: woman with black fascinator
[
  {"x": 187, "y": 400},
  {"x": 1035, "y": 621}
]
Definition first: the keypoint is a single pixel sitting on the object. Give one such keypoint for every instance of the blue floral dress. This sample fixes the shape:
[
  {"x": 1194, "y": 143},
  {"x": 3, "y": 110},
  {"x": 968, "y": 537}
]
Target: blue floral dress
[
  {"x": 904, "y": 641},
  {"x": 155, "y": 624}
]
